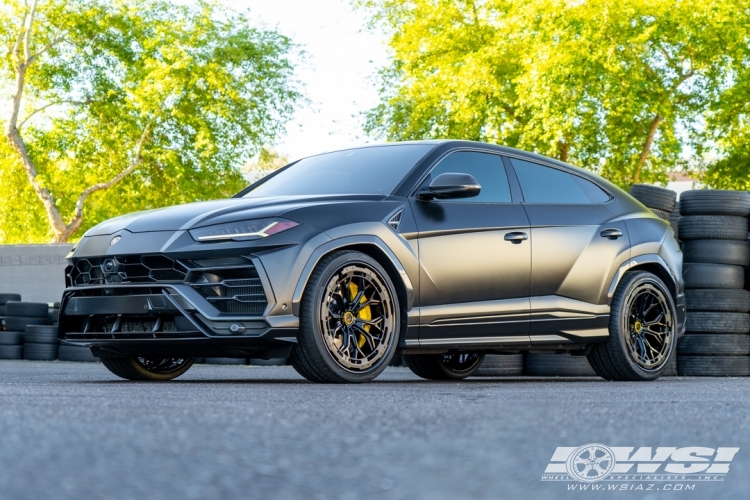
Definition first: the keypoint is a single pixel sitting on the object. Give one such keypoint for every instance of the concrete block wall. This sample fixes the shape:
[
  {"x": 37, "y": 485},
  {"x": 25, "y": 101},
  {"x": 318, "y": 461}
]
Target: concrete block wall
[{"x": 37, "y": 272}]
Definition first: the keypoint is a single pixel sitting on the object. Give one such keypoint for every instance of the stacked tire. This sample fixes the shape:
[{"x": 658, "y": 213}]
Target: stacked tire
[
  {"x": 500, "y": 365},
  {"x": 714, "y": 229},
  {"x": 557, "y": 365},
  {"x": 660, "y": 200},
  {"x": 41, "y": 343},
  {"x": 11, "y": 343}
]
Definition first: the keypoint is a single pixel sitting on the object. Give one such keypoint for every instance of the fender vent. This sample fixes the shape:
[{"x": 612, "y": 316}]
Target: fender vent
[{"x": 395, "y": 221}]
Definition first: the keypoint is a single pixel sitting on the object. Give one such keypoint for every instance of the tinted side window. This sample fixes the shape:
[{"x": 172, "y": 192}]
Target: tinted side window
[
  {"x": 594, "y": 192},
  {"x": 486, "y": 168},
  {"x": 542, "y": 184}
]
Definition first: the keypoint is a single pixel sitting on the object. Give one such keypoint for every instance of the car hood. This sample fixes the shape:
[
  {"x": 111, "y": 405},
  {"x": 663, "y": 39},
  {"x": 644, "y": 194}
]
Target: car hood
[{"x": 205, "y": 213}]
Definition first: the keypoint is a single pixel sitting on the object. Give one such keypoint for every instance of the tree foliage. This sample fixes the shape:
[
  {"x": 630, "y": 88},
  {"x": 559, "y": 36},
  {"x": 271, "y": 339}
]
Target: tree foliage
[
  {"x": 121, "y": 105},
  {"x": 624, "y": 88}
]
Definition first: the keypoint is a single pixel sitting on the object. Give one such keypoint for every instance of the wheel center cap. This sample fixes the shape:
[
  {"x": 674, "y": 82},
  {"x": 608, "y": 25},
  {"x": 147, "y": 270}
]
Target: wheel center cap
[
  {"x": 638, "y": 327},
  {"x": 348, "y": 318}
]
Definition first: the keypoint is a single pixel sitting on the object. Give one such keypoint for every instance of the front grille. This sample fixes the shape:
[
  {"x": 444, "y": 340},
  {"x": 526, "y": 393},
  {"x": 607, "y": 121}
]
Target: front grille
[
  {"x": 234, "y": 291},
  {"x": 126, "y": 269},
  {"x": 232, "y": 284}
]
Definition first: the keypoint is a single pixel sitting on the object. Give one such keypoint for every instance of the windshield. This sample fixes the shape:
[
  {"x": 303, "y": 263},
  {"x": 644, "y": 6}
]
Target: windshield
[{"x": 372, "y": 170}]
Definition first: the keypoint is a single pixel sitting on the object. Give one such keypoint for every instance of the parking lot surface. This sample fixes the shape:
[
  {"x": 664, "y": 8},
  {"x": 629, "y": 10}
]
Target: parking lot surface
[{"x": 70, "y": 430}]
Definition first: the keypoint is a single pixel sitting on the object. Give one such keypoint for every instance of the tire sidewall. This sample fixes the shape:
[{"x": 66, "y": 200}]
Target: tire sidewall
[
  {"x": 317, "y": 295},
  {"x": 618, "y": 324}
]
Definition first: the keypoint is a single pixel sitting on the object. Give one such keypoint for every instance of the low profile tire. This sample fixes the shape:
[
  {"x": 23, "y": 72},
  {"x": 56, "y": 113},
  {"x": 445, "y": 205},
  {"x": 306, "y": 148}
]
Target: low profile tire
[
  {"x": 732, "y": 252},
  {"x": 40, "y": 352},
  {"x": 500, "y": 365},
  {"x": 41, "y": 334},
  {"x": 674, "y": 220},
  {"x": 715, "y": 202},
  {"x": 349, "y": 321},
  {"x": 713, "y": 344},
  {"x": 717, "y": 300},
  {"x": 11, "y": 352},
  {"x": 717, "y": 322},
  {"x": 642, "y": 330},
  {"x": 11, "y": 338},
  {"x": 448, "y": 366},
  {"x": 558, "y": 365},
  {"x": 152, "y": 369},
  {"x": 713, "y": 276},
  {"x": 27, "y": 309},
  {"x": 661, "y": 214},
  {"x": 713, "y": 366},
  {"x": 712, "y": 227},
  {"x": 654, "y": 197},
  {"x": 17, "y": 324},
  {"x": 8, "y": 297}
]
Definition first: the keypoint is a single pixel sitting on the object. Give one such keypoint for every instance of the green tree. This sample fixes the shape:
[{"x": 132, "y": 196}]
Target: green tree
[
  {"x": 119, "y": 105},
  {"x": 622, "y": 88}
]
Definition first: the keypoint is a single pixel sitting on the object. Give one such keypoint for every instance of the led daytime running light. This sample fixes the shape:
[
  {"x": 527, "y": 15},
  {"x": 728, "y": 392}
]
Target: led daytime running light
[{"x": 262, "y": 233}]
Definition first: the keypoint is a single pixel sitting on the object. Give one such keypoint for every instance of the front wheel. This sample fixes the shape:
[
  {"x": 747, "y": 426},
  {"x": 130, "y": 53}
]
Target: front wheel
[
  {"x": 349, "y": 321},
  {"x": 148, "y": 368},
  {"x": 448, "y": 366},
  {"x": 642, "y": 331}
]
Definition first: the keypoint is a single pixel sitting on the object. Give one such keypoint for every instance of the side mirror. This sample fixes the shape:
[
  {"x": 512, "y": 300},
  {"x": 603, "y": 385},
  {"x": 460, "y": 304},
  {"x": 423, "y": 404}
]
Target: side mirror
[{"x": 451, "y": 185}]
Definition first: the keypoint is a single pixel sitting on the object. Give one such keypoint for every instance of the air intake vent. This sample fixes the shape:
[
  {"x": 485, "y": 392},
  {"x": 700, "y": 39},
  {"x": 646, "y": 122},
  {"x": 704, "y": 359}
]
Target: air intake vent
[
  {"x": 395, "y": 220},
  {"x": 233, "y": 291}
]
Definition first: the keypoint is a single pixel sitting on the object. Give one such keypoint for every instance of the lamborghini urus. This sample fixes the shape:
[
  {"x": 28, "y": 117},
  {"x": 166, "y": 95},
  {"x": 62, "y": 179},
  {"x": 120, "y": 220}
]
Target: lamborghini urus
[{"x": 441, "y": 251}]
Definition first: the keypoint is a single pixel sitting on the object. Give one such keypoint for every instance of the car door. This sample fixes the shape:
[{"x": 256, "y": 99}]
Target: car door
[
  {"x": 576, "y": 246},
  {"x": 475, "y": 258}
]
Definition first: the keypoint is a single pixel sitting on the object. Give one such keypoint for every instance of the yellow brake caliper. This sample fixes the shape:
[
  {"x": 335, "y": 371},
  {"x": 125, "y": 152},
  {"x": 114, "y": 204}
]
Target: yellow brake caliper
[{"x": 365, "y": 313}]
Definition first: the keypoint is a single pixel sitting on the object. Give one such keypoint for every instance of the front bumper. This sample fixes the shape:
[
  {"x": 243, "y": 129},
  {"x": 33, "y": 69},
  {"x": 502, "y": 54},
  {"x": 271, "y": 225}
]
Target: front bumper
[{"x": 170, "y": 319}]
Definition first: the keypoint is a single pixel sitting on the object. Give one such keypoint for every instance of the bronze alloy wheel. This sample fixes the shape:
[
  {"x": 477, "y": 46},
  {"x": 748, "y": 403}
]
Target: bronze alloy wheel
[
  {"x": 649, "y": 326},
  {"x": 148, "y": 368},
  {"x": 461, "y": 362},
  {"x": 356, "y": 317}
]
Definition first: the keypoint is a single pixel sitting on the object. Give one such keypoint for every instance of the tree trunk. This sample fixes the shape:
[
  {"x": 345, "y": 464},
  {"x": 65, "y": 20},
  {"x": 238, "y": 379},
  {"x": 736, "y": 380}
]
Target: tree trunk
[
  {"x": 646, "y": 151},
  {"x": 562, "y": 150}
]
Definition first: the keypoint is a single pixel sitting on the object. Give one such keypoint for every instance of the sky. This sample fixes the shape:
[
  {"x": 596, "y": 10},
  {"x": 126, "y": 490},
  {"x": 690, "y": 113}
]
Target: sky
[{"x": 339, "y": 70}]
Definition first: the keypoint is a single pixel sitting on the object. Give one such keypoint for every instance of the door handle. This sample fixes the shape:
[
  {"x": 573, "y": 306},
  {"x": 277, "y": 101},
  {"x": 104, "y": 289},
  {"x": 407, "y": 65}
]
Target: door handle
[
  {"x": 516, "y": 238},
  {"x": 611, "y": 234}
]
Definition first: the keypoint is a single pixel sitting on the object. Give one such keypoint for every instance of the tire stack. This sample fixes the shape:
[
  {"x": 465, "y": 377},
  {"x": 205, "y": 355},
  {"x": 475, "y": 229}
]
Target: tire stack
[
  {"x": 41, "y": 343},
  {"x": 19, "y": 316},
  {"x": 500, "y": 365},
  {"x": 660, "y": 200},
  {"x": 714, "y": 229},
  {"x": 11, "y": 343},
  {"x": 557, "y": 365}
]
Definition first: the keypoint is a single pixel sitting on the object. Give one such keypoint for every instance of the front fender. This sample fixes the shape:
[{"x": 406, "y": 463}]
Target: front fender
[{"x": 392, "y": 242}]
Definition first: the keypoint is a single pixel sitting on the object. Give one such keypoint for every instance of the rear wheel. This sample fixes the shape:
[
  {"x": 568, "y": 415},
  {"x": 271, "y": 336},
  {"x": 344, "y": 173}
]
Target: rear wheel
[
  {"x": 448, "y": 366},
  {"x": 642, "y": 331},
  {"x": 148, "y": 368},
  {"x": 349, "y": 321}
]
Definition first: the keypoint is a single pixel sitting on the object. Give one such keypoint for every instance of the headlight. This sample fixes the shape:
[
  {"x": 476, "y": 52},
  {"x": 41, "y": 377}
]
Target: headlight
[{"x": 242, "y": 231}]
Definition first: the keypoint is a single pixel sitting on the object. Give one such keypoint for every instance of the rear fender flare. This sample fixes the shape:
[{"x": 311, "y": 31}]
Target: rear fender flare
[{"x": 638, "y": 261}]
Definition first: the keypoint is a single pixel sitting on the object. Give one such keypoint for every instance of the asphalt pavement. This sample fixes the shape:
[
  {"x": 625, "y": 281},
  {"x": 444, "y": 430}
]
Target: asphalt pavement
[{"x": 74, "y": 431}]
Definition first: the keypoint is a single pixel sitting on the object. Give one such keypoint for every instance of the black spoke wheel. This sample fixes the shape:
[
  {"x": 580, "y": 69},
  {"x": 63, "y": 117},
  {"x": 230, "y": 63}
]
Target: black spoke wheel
[
  {"x": 642, "y": 330},
  {"x": 148, "y": 368},
  {"x": 448, "y": 366},
  {"x": 349, "y": 320}
]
